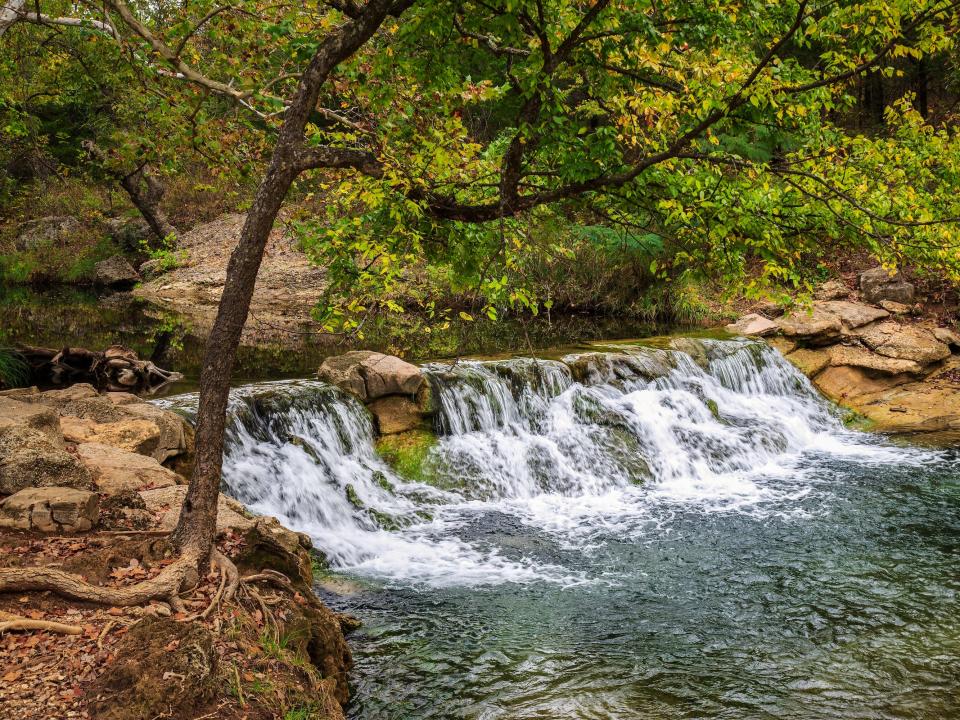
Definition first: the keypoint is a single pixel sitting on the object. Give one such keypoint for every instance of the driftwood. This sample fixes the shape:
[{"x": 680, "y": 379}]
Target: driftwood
[{"x": 115, "y": 369}]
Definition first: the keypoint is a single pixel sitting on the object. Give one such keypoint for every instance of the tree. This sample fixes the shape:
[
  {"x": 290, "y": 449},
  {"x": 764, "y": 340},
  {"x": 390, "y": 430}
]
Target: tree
[{"x": 444, "y": 122}]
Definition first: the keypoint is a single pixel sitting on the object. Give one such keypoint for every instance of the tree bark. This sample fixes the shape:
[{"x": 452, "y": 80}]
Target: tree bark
[{"x": 145, "y": 193}]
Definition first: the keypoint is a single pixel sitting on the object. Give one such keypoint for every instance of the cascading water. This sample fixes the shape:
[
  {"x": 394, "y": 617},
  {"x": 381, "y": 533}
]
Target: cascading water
[{"x": 631, "y": 532}]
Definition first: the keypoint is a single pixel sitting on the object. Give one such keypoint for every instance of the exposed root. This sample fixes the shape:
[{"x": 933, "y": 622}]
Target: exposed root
[
  {"x": 229, "y": 581},
  {"x": 164, "y": 586},
  {"x": 28, "y": 624}
]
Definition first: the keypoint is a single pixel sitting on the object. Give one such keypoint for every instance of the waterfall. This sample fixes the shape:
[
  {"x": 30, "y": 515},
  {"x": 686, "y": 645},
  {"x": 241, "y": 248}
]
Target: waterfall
[{"x": 598, "y": 444}]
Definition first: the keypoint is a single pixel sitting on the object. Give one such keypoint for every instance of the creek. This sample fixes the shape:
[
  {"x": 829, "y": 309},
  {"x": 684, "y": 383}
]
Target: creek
[{"x": 686, "y": 530}]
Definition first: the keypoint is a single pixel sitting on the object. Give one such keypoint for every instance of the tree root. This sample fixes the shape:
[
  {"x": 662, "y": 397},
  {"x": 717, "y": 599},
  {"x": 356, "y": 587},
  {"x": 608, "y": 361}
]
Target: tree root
[
  {"x": 165, "y": 586},
  {"x": 46, "y": 625}
]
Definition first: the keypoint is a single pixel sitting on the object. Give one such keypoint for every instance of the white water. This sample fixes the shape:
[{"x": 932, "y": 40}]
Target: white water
[{"x": 727, "y": 426}]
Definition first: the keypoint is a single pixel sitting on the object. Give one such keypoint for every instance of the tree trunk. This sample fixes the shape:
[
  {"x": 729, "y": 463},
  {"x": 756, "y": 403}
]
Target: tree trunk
[{"x": 145, "y": 192}]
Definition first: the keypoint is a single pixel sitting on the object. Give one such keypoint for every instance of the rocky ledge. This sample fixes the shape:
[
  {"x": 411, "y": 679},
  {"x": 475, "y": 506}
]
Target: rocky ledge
[
  {"x": 91, "y": 483},
  {"x": 872, "y": 351}
]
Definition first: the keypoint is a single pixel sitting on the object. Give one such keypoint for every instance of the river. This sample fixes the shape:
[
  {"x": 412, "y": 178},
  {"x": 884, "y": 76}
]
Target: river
[{"x": 680, "y": 531}]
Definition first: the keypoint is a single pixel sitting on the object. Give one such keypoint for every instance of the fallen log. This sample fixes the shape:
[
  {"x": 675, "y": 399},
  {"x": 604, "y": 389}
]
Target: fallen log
[{"x": 115, "y": 369}]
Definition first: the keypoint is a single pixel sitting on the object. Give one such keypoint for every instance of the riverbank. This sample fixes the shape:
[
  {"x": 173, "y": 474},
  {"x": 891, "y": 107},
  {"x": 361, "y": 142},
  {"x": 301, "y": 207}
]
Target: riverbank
[{"x": 92, "y": 484}]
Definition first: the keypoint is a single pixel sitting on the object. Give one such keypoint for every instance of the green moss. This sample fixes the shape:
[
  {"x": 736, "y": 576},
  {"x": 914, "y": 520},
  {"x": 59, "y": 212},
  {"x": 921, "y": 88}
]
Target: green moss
[
  {"x": 407, "y": 453},
  {"x": 714, "y": 408},
  {"x": 353, "y": 497},
  {"x": 381, "y": 479},
  {"x": 855, "y": 421}
]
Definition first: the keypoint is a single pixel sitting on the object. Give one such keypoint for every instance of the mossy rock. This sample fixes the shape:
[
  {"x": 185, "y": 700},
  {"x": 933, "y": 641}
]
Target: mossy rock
[{"x": 407, "y": 453}]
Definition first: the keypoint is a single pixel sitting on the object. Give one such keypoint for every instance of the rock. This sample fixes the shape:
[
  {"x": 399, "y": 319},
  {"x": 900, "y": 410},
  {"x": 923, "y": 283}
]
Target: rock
[
  {"x": 396, "y": 414},
  {"x": 783, "y": 345},
  {"x": 901, "y": 403},
  {"x": 130, "y": 233},
  {"x": 753, "y": 324},
  {"x": 167, "y": 501},
  {"x": 151, "y": 269},
  {"x": 50, "y": 509},
  {"x": 30, "y": 458},
  {"x": 895, "y": 308},
  {"x": 35, "y": 234},
  {"x": 863, "y": 358},
  {"x": 843, "y": 383},
  {"x": 116, "y": 471},
  {"x": 852, "y": 314},
  {"x": 115, "y": 272},
  {"x": 270, "y": 544},
  {"x": 906, "y": 342},
  {"x": 371, "y": 375},
  {"x": 877, "y": 284},
  {"x": 28, "y": 415},
  {"x": 809, "y": 362},
  {"x": 832, "y": 290},
  {"x": 112, "y": 419},
  {"x": 947, "y": 336},
  {"x": 768, "y": 308},
  {"x": 816, "y": 326}
]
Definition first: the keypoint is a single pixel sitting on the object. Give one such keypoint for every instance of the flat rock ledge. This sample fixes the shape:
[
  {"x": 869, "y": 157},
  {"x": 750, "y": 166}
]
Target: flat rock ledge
[{"x": 876, "y": 358}]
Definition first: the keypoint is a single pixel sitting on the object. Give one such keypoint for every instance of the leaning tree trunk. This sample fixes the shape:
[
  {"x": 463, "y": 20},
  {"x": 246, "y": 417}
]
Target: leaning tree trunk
[{"x": 145, "y": 193}]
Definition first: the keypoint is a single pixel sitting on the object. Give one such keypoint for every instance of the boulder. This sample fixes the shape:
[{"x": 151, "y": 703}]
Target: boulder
[
  {"x": 753, "y": 324},
  {"x": 165, "y": 503},
  {"x": 947, "y": 337},
  {"x": 816, "y": 326},
  {"x": 877, "y": 284},
  {"x": 115, "y": 272},
  {"x": 809, "y": 362},
  {"x": 861, "y": 357},
  {"x": 29, "y": 415},
  {"x": 30, "y": 458},
  {"x": 130, "y": 233},
  {"x": 116, "y": 471},
  {"x": 843, "y": 383},
  {"x": 832, "y": 290},
  {"x": 51, "y": 509},
  {"x": 371, "y": 375},
  {"x": 781, "y": 344},
  {"x": 895, "y": 308},
  {"x": 35, "y": 234},
  {"x": 132, "y": 435},
  {"x": 906, "y": 342},
  {"x": 396, "y": 414},
  {"x": 852, "y": 314}
]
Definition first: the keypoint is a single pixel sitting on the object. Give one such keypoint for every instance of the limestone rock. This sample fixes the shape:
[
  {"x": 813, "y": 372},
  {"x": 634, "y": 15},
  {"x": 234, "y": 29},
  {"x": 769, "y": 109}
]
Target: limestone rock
[
  {"x": 35, "y": 234},
  {"x": 115, "y": 272},
  {"x": 166, "y": 502},
  {"x": 863, "y": 358},
  {"x": 32, "y": 416},
  {"x": 895, "y": 308},
  {"x": 906, "y": 342},
  {"x": 877, "y": 284},
  {"x": 30, "y": 458},
  {"x": 753, "y": 324},
  {"x": 947, "y": 337},
  {"x": 816, "y": 326},
  {"x": 130, "y": 233},
  {"x": 51, "y": 509},
  {"x": 809, "y": 362},
  {"x": 832, "y": 290},
  {"x": 396, "y": 414},
  {"x": 852, "y": 314},
  {"x": 371, "y": 375},
  {"x": 843, "y": 383},
  {"x": 117, "y": 471},
  {"x": 783, "y": 345}
]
